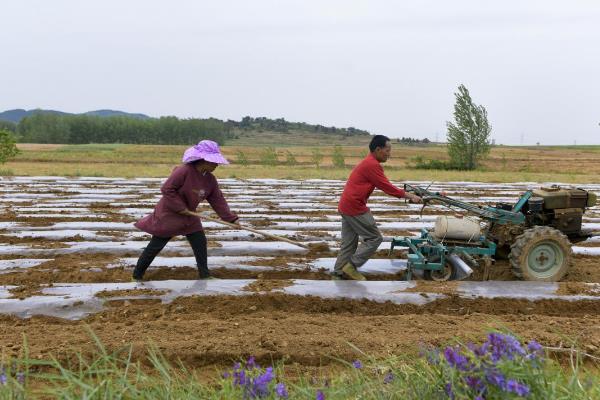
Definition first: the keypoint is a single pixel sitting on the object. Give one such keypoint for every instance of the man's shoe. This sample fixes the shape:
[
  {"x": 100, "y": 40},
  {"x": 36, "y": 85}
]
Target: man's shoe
[
  {"x": 336, "y": 277},
  {"x": 207, "y": 278},
  {"x": 350, "y": 271}
]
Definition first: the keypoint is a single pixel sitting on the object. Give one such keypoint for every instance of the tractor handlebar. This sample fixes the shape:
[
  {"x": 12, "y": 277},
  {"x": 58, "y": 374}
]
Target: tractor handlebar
[{"x": 489, "y": 213}]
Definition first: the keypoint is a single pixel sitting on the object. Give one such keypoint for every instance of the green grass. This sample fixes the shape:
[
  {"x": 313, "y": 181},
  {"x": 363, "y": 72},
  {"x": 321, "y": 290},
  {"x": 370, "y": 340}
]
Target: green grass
[
  {"x": 569, "y": 164},
  {"x": 129, "y": 170},
  {"x": 77, "y": 148},
  {"x": 114, "y": 374}
]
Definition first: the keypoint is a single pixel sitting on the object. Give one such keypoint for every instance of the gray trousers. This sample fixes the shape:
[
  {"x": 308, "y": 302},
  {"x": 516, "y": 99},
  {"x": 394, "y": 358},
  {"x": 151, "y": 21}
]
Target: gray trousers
[{"x": 362, "y": 226}]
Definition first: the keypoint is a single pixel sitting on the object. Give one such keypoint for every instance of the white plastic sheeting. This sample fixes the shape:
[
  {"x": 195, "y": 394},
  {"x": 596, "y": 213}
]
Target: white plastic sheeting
[{"x": 75, "y": 301}]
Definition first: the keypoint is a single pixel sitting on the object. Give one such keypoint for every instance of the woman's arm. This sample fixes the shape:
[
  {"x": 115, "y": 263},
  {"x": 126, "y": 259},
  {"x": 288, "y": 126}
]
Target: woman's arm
[{"x": 219, "y": 204}]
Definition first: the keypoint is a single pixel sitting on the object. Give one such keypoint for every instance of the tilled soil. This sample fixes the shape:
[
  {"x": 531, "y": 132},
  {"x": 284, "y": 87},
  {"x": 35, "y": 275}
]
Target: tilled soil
[{"x": 213, "y": 331}]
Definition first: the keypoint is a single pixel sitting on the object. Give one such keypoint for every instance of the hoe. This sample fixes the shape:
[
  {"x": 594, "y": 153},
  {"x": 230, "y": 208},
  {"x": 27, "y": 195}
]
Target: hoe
[{"x": 535, "y": 234}]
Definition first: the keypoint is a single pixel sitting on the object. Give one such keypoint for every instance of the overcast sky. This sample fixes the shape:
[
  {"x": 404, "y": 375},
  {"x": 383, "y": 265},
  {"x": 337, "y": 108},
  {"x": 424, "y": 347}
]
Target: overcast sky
[{"x": 390, "y": 67}]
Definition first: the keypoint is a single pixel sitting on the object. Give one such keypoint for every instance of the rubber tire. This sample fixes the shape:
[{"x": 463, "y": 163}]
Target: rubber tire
[
  {"x": 427, "y": 274},
  {"x": 525, "y": 242}
]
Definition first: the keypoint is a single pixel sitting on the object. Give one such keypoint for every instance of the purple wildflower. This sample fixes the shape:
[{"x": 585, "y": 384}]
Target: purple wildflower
[
  {"x": 21, "y": 378},
  {"x": 455, "y": 359},
  {"x": 3, "y": 378},
  {"x": 357, "y": 364},
  {"x": 518, "y": 388},
  {"x": 503, "y": 346},
  {"x": 480, "y": 351},
  {"x": 448, "y": 390},
  {"x": 320, "y": 395},
  {"x": 239, "y": 377},
  {"x": 388, "y": 378},
  {"x": 534, "y": 347},
  {"x": 281, "y": 391},
  {"x": 535, "y": 350},
  {"x": 474, "y": 382},
  {"x": 251, "y": 363},
  {"x": 259, "y": 386},
  {"x": 496, "y": 379}
]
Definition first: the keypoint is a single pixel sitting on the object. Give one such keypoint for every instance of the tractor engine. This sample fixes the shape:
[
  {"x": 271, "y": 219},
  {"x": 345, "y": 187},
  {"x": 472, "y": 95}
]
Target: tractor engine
[{"x": 560, "y": 208}]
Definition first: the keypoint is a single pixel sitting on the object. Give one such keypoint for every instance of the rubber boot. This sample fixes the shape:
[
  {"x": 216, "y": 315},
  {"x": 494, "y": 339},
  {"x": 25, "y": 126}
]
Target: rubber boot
[
  {"x": 350, "y": 271},
  {"x": 137, "y": 276}
]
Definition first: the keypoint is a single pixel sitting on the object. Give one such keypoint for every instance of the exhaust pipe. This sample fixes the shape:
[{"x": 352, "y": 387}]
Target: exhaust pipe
[{"x": 462, "y": 270}]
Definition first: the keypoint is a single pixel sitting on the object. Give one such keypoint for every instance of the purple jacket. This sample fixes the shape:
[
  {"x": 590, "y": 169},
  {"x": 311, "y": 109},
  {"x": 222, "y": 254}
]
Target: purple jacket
[{"x": 185, "y": 189}]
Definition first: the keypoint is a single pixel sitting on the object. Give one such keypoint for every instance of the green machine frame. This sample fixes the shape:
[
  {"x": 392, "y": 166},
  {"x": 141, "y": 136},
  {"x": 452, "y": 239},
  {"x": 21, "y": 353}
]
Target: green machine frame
[{"x": 428, "y": 253}]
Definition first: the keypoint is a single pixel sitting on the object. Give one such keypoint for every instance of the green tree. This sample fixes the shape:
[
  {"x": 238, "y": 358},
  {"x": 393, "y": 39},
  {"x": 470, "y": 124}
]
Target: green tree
[
  {"x": 317, "y": 157},
  {"x": 469, "y": 134},
  {"x": 338, "y": 157},
  {"x": 7, "y": 125},
  {"x": 8, "y": 146}
]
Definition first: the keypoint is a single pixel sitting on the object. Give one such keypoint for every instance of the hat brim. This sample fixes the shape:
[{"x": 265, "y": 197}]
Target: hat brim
[{"x": 214, "y": 158}]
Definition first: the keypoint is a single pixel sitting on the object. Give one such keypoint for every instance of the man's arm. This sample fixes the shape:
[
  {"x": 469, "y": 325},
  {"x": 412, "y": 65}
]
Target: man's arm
[{"x": 381, "y": 182}]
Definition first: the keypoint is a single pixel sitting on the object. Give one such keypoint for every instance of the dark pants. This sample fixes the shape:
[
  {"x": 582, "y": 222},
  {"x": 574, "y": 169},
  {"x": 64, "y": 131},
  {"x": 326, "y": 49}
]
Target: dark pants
[
  {"x": 197, "y": 241},
  {"x": 355, "y": 227}
]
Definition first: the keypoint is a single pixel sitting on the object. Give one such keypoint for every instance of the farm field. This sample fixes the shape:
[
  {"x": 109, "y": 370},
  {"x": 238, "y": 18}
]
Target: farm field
[
  {"x": 574, "y": 164},
  {"x": 67, "y": 248}
]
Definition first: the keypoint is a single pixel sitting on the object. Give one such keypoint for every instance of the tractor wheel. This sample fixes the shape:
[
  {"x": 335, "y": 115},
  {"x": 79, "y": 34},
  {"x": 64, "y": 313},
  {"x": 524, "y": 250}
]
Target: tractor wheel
[
  {"x": 446, "y": 274},
  {"x": 540, "y": 254}
]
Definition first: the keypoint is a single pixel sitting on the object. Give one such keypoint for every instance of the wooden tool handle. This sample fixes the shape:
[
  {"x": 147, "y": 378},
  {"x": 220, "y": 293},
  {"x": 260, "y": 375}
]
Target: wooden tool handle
[{"x": 246, "y": 228}]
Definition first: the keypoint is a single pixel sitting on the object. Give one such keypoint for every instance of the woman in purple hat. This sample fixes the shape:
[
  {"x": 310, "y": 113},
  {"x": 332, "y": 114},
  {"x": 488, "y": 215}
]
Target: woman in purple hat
[{"x": 188, "y": 185}]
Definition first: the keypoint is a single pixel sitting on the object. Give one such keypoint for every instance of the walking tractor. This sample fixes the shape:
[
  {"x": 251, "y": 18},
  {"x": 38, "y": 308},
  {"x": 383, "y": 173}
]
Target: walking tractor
[{"x": 535, "y": 234}]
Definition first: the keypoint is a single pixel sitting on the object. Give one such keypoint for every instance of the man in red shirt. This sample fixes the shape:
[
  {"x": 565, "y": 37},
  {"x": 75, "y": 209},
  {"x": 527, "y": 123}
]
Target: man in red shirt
[{"x": 357, "y": 220}]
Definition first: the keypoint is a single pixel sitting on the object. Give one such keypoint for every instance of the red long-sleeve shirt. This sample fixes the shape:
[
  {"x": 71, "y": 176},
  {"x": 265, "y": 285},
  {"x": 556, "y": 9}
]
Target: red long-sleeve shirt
[{"x": 364, "y": 178}]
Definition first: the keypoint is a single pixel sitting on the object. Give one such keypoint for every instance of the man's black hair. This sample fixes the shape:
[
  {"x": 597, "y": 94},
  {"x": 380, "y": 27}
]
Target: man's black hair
[{"x": 378, "y": 141}]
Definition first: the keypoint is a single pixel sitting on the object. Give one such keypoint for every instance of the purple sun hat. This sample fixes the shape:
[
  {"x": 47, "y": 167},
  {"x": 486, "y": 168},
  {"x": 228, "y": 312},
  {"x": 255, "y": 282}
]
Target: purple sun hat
[{"x": 204, "y": 150}]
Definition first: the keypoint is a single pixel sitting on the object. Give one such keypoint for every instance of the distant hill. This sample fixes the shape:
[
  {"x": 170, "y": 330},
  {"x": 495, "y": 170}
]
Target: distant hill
[
  {"x": 18, "y": 114},
  {"x": 115, "y": 113},
  {"x": 113, "y": 126}
]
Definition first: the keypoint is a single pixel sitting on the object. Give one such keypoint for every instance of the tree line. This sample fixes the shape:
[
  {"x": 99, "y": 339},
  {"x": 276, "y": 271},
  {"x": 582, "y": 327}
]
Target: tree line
[
  {"x": 281, "y": 125},
  {"x": 42, "y": 127},
  {"x": 412, "y": 141},
  {"x": 82, "y": 129}
]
